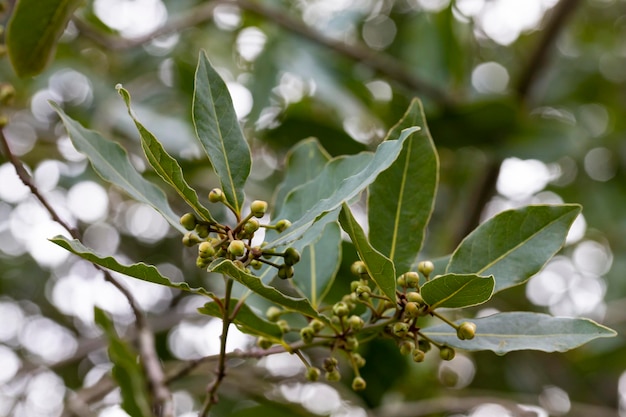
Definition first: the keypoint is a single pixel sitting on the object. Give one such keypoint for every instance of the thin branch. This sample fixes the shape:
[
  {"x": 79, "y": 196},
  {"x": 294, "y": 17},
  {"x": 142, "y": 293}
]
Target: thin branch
[{"x": 152, "y": 366}]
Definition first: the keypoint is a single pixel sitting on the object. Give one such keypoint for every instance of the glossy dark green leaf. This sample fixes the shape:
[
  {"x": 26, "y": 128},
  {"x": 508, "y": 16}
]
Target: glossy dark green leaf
[
  {"x": 246, "y": 320},
  {"x": 111, "y": 162},
  {"x": 379, "y": 267},
  {"x": 341, "y": 180},
  {"x": 457, "y": 291},
  {"x": 139, "y": 270},
  {"x": 127, "y": 370},
  {"x": 401, "y": 199},
  {"x": 515, "y": 244},
  {"x": 507, "y": 332},
  {"x": 164, "y": 164},
  {"x": 219, "y": 132},
  {"x": 33, "y": 32}
]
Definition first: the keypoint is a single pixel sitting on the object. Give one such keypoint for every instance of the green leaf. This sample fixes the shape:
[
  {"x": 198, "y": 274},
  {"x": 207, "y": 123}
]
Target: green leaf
[
  {"x": 127, "y": 370},
  {"x": 401, "y": 200},
  {"x": 246, "y": 319},
  {"x": 254, "y": 283},
  {"x": 351, "y": 174},
  {"x": 304, "y": 162},
  {"x": 140, "y": 270},
  {"x": 457, "y": 291},
  {"x": 379, "y": 267},
  {"x": 315, "y": 273},
  {"x": 515, "y": 244},
  {"x": 506, "y": 332},
  {"x": 164, "y": 164},
  {"x": 219, "y": 132},
  {"x": 111, "y": 162},
  {"x": 33, "y": 32}
]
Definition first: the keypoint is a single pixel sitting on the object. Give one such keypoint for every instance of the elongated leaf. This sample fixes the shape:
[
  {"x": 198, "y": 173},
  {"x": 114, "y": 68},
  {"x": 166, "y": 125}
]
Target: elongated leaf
[
  {"x": 363, "y": 169},
  {"x": 379, "y": 267},
  {"x": 515, "y": 244},
  {"x": 457, "y": 291},
  {"x": 254, "y": 283},
  {"x": 127, "y": 370},
  {"x": 304, "y": 162},
  {"x": 219, "y": 132},
  {"x": 164, "y": 164},
  {"x": 33, "y": 32},
  {"x": 315, "y": 273},
  {"x": 246, "y": 319},
  {"x": 111, "y": 162},
  {"x": 506, "y": 332},
  {"x": 139, "y": 270},
  {"x": 402, "y": 198}
]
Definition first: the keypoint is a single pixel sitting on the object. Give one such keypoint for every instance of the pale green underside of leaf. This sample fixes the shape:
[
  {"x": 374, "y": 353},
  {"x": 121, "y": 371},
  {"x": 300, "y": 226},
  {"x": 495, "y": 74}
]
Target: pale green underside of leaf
[
  {"x": 379, "y": 267},
  {"x": 111, "y": 162},
  {"x": 246, "y": 320},
  {"x": 164, "y": 165},
  {"x": 139, "y": 270},
  {"x": 321, "y": 196},
  {"x": 457, "y": 291},
  {"x": 219, "y": 132},
  {"x": 33, "y": 32},
  {"x": 515, "y": 244},
  {"x": 507, "y": 332},
  {"x": 401, "y": 200},
  {"x": 254, "y": 283}
]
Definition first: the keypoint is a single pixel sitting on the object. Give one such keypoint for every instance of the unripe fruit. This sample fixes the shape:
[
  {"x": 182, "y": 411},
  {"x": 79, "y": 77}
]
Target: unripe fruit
[
  {"x": 202, "y": 262},
  {"x": 351, "y": 343},
  {"x": 400, "y": 329},
  {"x": 358, "y": 268},
  {"x": 307, "y": 334},
  {"x": 190, "y": 239},
  {"x": 273, "y": 313},
  {"x": 415, "y": 297},
  {"x": 188, "y": 221},
  {"x": 216, "y": 195},
  {"x": 412, "y": 310},
  {"x": 256, "y": 264},
  {"x": 412, "y": 279},
  {"x": 406, "y": 347},
  {"x": 333, "y": 375},
  {"x": 206, "y": 250},
  {"x": 264, "y": 343},
  {"x": 251, "y": 226},
  {"x": 236, "y": 248},
  {"x": 466, "y": 330},
  {"x": 356, "y": 323},
  {"x": 446, "y": 353},
  {"x": 354, "y": 285},
  {"x": 284, "y": 326},
  {"x": 282, "y": 225},
  {"x": 202, "y": 230},
  {"x": 285, "y": 271},
  {"x": 317, "y": 325},
  {"x": 424, "y": 345},
  {"x": 341, "y": 309},
  {"x": 330, "y": 364},
  {"x": 358, "y": 360},
  {"x": 358, "y": 384},
  {"x": 401, "y": 280},
  {"x": 426, "y": 268},
  {"x": 313, "y": 374},
  {"x": 258, "y": 208},
  {"x": 291, "y": 256},
  {"x": 418, "y": 356}
]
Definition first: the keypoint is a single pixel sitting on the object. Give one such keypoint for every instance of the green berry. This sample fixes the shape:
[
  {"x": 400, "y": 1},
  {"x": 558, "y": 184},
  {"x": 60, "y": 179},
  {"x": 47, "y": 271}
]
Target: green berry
[
  {"x": 256, "y": 264},
  {"x": 258, "y": 208},
  {"x": 273, "y": 313},
  {"x": 354, "y": 285},
  {"x": 190, "y": 239},
  {"x": 333, "y": 375},
  {"x": 284, "y": 326},
  {"x": 406, "y": 347},
  {"x": 202, "y": 230},
  {"x": 358, "y": 360},
  {"x": 401, "y": 281},
  {"x": 307, "y": 334},
  {"x": 330, "y": 364},
  {"x": 292, "y": 256},
  {"x": 264, "y": 342},
  {"x": 285, "y": 271},
  {"x": 446, "y": 353},
  {"x": 418, "y": 356},
  {"x": 356, "y": 323},
  {"x": 466, "y": 330},
  {"x": 358, "y": 384},
  {"x": 341, "y": 309},
  {"x": 400, "y": 329},
  {"x": 216, "y": 195},
  {"x": 237, "y": 248},
  {"x": 412, "y": 279},
  {"x": 415, "y": 297},
  {"x": 251, "y": 226},
  {"x": 412, "y": 310},
  {"x": 426, "y": 268},
  {"x": 202, "y": 262},
  {"x": 317, "y": 325},
  {"x": 351, "y": 343},
  {"x": 282, "y": 225},
  {"x": 206, "y": 250},
  {"x": 424, "y": 345},
  {"x": 363, "y": 292},
  {"x": 312, "y": 374},
  {"x": 358, "y": 268},
  {"x": 188, "y": 221}
]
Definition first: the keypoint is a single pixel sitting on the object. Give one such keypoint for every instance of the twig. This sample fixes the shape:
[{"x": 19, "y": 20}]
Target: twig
[{"x": 154, "y": 373}]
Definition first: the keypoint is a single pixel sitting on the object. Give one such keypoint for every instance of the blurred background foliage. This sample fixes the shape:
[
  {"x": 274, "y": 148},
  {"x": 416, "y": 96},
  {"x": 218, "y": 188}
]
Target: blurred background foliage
[{"x": 525, "y": 103}]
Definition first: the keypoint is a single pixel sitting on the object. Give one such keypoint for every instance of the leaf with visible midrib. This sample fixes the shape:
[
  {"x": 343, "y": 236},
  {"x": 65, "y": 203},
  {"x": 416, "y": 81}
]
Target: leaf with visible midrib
[
  {"x": 457, "y": 291},
  {"x": 515, "y": 244},
  {"x": 164, "y": 164},
  {"x": 507, "y": 332},
  {"x": 246, "y": 319},
  {"x": 401, "y": 200},
  {"x": 33, "y": 32},
  {"x": 111, "y": 162},
  {"x": 219, "y": 132},
  {"x": 139, "y": 270}
]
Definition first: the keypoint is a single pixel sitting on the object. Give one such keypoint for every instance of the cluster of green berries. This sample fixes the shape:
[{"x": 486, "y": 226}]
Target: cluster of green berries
[{"x": 216, "y": 240}]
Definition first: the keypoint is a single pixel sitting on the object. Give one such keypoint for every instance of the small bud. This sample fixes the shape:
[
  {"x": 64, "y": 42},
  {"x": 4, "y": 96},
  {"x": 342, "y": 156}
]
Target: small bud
[
  {"x": 282, "y": 225},
  {"x": 317, "y": 325},
  {"x": 424, "y": 345},
  {"x": 363, "y": 292},
  {"x": 330, "y": 364},
  {"x": 351, "y": 343},
  {"x": 359, "y": 360},
  {"x": 256, "y": 264},
  {"x": 341, "y": 309},
  {"x": 412, "y": 310},
  {"x": 202, "y": 230},
  {"x": 291, "y": 256},
  {"x": 418, "y": 356},
  {"x": 412, "y": 279},
  {"x": 251, "y": 226},
  {"x": 333, "y": 375},
  {"x": 358, "y": 384},
  {"x": 285, "y": 271},
  {"x": 206, "y": 250},
  {"x": 188, "y": 221},
  {"x": 202, "y": 262},
  {"x": 273, "y": 313},
  {"x": 426, "y": 268},
  {"x": 466, "y": 331},
  {"x": 264, "y": 342},
  {"x": 358, "y": 268},
  {"x": 400, "y": 329},
  {"x": 406, "y": 347},
  {"x": 313, "y": 374},
  {"x": 415, "y": 297},
  {"x": 190, "y": 239},
  {"x": 307, "y": 334},
  {"x": 446, "y": 353},
  {"x": 216, "y": 195},
  {"x": 354, "y": 285},
  {"x": 284, "y": 326},
  {"x": 236, "y": 248},
  {"x": 7, "y": 93},
  {"x": 401, "y": 281},
  {"x": 258, "y": 208},
  {"x": 356, "y": 323}
]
